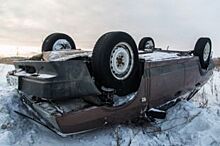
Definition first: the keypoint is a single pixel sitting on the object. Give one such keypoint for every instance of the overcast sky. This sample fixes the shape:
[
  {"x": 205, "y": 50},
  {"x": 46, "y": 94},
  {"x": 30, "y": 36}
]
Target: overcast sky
[{"x": 177, "y": 23}]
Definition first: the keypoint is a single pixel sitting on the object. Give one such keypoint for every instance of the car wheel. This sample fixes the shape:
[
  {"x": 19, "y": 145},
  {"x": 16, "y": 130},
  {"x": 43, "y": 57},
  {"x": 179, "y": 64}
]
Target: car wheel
[
  {"x": 146, "y": 43},
  {"x": 115, "y": 63},
  {"x": 58, "y": 42},
  {"x": 203, "y": 50}
]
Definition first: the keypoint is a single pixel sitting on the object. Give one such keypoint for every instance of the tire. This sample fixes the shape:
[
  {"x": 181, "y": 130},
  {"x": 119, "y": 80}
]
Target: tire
[
  {"x": 203, "y": 49},
  {"x": 57, "y": 42},
  {"x": 146, "y": 41},
  {"x": 110, "y": 69}
]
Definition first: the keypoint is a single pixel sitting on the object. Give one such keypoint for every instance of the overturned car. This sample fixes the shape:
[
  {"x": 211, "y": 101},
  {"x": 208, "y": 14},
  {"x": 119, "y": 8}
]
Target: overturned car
[{"x": 70, "y": 91}]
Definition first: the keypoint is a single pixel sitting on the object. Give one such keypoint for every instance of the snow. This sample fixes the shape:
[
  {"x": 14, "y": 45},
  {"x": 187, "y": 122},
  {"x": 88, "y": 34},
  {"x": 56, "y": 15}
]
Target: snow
[
  {"x": 38, "y": 75},
  {"x": 65, "y": 55},
  {"x": 195, "y": 122},
  {"x": 159, "y": 56}
]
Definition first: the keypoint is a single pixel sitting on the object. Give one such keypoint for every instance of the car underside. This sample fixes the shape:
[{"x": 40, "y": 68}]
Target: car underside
[{"x": 73, "y": 91}]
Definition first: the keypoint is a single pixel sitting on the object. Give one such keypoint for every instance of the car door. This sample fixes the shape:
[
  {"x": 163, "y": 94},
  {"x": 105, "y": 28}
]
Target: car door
[{"x": 166, "y": 81}]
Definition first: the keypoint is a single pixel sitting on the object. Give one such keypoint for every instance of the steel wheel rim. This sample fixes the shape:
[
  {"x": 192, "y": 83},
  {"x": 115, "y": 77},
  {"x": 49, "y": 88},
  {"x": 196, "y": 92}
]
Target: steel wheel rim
[
  {"x": 121, "y": 61},
  {"x": 149, "y": 45},
  {"x": 61, "y": 44},
  {"x": 206, "y": 51}
]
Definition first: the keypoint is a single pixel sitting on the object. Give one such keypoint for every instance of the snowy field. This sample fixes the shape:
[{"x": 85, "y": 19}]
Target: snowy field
[{"x": 193, "y": 123}]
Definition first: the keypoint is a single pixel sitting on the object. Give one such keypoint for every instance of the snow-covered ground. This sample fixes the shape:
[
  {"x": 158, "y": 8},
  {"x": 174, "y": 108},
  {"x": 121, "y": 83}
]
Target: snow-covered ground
[{"x": 195, "y": 122}]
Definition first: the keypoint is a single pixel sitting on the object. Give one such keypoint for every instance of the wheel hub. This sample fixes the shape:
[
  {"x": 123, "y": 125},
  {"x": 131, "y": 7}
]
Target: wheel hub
[{"x": 120, "y": 61}]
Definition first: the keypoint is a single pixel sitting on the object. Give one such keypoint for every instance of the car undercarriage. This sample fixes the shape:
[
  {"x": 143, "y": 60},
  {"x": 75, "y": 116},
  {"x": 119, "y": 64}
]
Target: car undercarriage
[{"x": 73, "y": 91}]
